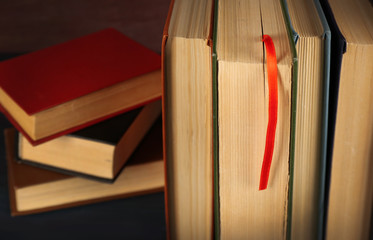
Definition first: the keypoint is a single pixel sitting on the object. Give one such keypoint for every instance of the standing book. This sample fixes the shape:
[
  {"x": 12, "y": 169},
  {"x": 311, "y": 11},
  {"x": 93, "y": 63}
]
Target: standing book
[
  {"x": 187, "y": 84},
  {"x": 241, "y": 113},
  {"x": 72, "y": 85},
  {"x": 312, "y": 42},
  {"x": 350, "y": 194}
]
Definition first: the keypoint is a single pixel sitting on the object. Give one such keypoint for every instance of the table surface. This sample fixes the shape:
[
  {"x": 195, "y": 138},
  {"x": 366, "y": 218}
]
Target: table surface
[{"x": 31, "y": 25}]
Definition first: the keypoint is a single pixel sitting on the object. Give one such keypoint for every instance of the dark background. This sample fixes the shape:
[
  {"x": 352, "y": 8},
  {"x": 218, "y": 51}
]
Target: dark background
[{"x": 30, "y": 25}]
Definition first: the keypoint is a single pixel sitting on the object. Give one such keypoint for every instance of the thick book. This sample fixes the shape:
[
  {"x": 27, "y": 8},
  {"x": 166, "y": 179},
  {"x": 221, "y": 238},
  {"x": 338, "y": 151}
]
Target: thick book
[
  {"x": 97, "y": 152},
  {"x": 350, "y": 192},
  {"x": 187, "y": 119},
  {"x": 241, "y": 112},
  {"x": 312, "y": 42},
  {"x": 34, "y": 190},
  {"x": 72, "y": 85}
]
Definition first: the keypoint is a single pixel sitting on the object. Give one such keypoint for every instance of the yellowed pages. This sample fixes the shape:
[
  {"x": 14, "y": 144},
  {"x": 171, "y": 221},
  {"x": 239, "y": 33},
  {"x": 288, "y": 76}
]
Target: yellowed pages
[
  {"x": 351, "y": 186},
  {"x": 308, "y": 161},
  {"x": 246, "y": 212},
  {"x": 188, "y": 111}
]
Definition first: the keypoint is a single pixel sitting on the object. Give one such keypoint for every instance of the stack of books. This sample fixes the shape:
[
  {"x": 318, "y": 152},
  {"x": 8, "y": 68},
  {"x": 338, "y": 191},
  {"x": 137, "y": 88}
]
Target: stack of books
[
  {"x": 87, "y": 118},
  {"x": 251, "y": 158},
  {"x": 267, "y": 120}
]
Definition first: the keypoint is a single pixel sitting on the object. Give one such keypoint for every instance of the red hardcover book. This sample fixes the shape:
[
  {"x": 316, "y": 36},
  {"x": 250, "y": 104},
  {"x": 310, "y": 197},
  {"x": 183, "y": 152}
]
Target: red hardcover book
[{"x": 63, "y": 88}]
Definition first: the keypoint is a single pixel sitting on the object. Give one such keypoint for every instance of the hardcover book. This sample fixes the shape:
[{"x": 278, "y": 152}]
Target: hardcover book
[
  {"x": 69, "y": 86},
  {"x": 99, "y": 151},
  {"x": 34, "y": 190},
  {"x": 312, "y": 42},
  {"x": 350, "y": 153},
  {"x": 187, "y": 86},
  {"x": 244, "y": 104}
]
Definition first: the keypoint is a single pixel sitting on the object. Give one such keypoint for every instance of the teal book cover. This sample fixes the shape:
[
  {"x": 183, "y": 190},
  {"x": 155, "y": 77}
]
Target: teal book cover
[{"x": 319, "y": 160}]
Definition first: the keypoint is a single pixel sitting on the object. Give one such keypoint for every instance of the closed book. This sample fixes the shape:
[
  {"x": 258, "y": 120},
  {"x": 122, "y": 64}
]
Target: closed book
[
  {"x": 69, "y": 86},
  {"x": 34, "y": 190},
  {"x": 243, "y": 108},
  {"x": 312, "y": 42},
  {"x": 350, "y": 189},
  {"x": 99, "y": 151},
  {"x": 187, "y": 119}
]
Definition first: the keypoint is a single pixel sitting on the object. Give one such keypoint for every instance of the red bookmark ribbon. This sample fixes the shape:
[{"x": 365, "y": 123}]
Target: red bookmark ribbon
[{"x": 272, "y": 111}]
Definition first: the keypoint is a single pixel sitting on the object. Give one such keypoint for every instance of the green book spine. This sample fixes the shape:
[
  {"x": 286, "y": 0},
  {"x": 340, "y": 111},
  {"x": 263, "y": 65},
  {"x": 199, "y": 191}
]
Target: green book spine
[
  {"x": 215, "y": 125},
  {"x": 324, "y": 130},
  {"x": 292, "y": 38},
  {"x": 325, "y": 118}
]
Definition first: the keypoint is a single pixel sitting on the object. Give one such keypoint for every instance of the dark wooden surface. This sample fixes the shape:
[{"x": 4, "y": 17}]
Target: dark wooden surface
[{"x": 29, "y": 25}]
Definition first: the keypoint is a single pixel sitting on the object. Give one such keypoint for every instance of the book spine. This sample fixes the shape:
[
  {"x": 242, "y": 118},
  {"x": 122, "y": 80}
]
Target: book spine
[
  {"x": 215, "y": 131},
  {"x": 292, "y": 38},
  {"x": 337, "y": 49},
  {"x": 9, "y": 138},
  {"x": 325, "y": 116},
  {"x": 163, "y": 65}
]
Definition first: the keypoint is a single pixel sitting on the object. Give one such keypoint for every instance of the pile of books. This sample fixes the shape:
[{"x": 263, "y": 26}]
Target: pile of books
[
  {"x": 267, "y": 120},
  {"x": 88, "y": 125},
  {"x": 251, "y": 158}
]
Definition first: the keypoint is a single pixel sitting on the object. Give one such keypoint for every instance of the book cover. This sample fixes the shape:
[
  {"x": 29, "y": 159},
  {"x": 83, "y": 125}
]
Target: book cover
[
  {"x": 215, "y": 133},
  {"x": 325, "y": 121},
  {"x": 337, "y": 49},
  {"x": 293, "y": 37},
  {"x": 39, "y": 82},
  {"x": 163, "y": 73},
  {"x": 143, "y": 174}
]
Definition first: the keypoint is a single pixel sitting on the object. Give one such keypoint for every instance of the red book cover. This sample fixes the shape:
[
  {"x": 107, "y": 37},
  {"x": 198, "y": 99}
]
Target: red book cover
[{"x": 52, "y": 76}]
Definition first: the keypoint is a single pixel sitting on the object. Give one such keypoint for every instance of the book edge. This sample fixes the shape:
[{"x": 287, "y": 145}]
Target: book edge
[
  {"x": 11, "y": 180},
  {"x": 86, "y": 202},
  {"x": 163, "y": 73},
  {"x": 292, "y": 37},
  {"x": 325, "y": 116},
  {"x": 215, "y": 132},
  {"x": 210, "y": 43},
  {"x": 73, "y": 129},
  {"x": 112, "y": 31},
  {"x": 9, "y": 135}
]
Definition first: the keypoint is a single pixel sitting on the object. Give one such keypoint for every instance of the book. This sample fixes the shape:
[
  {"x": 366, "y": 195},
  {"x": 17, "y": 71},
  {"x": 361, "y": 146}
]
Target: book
[
  {"x": 350, "y": 192},
  {"x": 33, "y": 190},
  {"x": 242, "y": 113},
  {"x": 312, "y": 42},
  {"x": 187, "y": 116},
  {"x": 69, "y": 86},
  {"x": 99, "y": 151},
  {"x": 338, "y": 47}
]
